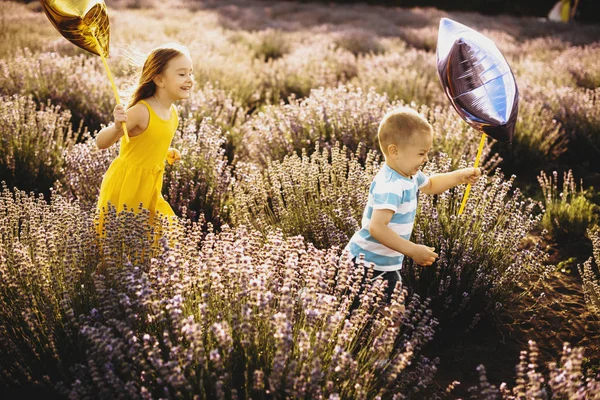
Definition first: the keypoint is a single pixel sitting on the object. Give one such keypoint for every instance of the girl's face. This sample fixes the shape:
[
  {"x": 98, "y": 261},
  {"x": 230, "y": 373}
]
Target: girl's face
[{"x": 177, "y": 80}]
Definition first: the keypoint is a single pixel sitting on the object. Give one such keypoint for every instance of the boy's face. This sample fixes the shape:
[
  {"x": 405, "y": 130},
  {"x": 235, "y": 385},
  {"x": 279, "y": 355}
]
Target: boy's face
[{"x": 407, "y": 159}]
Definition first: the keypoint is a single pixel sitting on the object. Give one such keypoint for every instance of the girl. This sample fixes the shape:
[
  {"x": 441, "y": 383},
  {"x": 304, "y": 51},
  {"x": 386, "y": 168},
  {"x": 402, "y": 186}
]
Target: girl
[{"x": 135, "y": 177}]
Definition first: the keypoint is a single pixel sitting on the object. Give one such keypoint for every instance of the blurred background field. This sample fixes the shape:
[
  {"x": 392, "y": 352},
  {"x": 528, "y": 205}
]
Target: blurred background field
[{"x": 278, "y": 145}]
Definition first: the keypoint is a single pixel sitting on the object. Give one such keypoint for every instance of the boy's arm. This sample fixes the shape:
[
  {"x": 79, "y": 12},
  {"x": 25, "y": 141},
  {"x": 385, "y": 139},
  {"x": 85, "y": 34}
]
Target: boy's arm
[
  {"x": 380, "y": 230},
  {"x": 439, "y": 183}
]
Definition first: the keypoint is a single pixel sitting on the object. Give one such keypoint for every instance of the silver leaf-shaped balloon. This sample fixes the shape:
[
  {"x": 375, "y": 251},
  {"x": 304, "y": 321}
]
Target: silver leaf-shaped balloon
[{"x": 477, "y": 80}]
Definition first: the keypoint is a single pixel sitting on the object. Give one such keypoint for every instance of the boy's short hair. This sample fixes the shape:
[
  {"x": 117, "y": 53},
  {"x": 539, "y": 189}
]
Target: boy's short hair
[{"x": 399, "y": 125}]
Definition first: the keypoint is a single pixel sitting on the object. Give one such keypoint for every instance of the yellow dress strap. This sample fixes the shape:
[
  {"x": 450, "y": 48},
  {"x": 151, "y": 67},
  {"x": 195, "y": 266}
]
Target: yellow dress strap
[{"x": 151, "y": 110}]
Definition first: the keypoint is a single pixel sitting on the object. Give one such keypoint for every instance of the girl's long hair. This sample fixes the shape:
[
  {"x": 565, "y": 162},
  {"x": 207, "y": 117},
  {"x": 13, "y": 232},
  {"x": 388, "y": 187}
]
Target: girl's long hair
[{"x": 155, "y": 64}]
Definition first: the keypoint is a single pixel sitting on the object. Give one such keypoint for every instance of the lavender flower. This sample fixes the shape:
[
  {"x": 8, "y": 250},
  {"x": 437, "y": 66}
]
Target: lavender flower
[
  {"x": 311, "y": 196},
  {"x": 480, "y": 254},
  {"x": 590, "y": 276},
  {"x": 179, "y": 312},
  {"x": 565, "y": 380},
  {"x": 34, "y": 139}
]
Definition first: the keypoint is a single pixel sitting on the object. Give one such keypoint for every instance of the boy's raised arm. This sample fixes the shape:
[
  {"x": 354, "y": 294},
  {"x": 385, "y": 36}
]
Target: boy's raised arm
[{"x": 439, "y": 183}]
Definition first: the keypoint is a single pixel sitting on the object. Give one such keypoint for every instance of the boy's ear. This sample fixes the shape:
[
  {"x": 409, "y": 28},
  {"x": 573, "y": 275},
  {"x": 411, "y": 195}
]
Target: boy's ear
[{"x": 392, "y": 149}]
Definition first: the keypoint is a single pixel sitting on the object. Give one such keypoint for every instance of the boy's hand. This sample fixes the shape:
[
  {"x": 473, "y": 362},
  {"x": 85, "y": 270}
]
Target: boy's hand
[
  {"x": 470, "y": 175},
  {"x": 423, "y": 255},
  {"x": 120, "y": 116},
  {"x": 173, "y": 155}
]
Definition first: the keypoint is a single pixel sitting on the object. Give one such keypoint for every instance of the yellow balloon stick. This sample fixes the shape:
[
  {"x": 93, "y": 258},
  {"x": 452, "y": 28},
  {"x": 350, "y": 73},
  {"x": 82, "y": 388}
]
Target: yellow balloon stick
[
  {"x": 468, "y": 190},
  {"x": 112, "y": 83}
]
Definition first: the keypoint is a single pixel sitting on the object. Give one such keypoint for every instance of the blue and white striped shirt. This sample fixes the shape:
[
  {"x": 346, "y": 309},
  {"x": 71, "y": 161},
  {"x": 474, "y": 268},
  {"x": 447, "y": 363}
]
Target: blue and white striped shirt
[{"x": 389, "y": 191}]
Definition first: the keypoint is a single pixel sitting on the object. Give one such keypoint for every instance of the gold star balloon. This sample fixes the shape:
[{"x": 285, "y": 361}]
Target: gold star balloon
[{"x": 85, "y": 24}]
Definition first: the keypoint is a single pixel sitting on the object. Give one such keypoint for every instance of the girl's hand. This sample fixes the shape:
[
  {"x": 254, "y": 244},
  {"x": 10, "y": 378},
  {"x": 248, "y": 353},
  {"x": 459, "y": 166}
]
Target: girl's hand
[
  {"x": 120, "y": 116},
  {"x": 173, "y": 155},
  {"x": 471, "y": 175}
]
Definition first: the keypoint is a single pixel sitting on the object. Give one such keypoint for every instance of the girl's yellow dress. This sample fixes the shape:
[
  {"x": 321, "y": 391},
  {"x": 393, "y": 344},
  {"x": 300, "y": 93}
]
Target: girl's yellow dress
[{"x": 135, "y": 177}]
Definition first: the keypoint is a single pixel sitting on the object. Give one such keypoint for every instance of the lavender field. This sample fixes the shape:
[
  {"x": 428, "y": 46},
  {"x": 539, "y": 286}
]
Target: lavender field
[{"x": 248, "y": 296}]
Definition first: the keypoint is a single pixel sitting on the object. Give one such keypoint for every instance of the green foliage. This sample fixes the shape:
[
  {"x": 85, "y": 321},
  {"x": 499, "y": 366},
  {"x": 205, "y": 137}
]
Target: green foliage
[{"x": 569, "y": 213}]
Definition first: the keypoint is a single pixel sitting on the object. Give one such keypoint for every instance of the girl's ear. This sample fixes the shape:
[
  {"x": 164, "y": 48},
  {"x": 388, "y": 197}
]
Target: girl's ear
[{"x": 158, "y": 80}]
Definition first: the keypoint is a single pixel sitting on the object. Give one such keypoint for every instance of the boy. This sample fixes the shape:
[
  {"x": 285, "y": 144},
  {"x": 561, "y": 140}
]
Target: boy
[{"x": 405, "y": 138}]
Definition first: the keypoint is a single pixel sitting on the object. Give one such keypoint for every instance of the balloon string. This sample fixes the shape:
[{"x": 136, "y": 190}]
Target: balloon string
[
  {"x": 112, "y": 83},
  {"x": 466, "y": 196}
]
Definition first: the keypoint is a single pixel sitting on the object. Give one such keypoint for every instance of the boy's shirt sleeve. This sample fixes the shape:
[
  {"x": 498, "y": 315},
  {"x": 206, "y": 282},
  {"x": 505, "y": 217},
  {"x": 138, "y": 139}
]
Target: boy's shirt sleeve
[
  {"x": 386, "y": 196},
  {"x": 422, "y": 179}
]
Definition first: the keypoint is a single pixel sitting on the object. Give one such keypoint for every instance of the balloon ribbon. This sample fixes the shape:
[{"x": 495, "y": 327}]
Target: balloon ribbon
[
  {"x": 112, "y": 83},
  {"x": 466, "y": 196}
]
